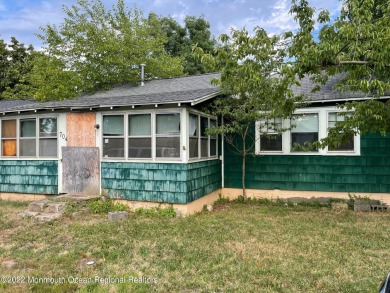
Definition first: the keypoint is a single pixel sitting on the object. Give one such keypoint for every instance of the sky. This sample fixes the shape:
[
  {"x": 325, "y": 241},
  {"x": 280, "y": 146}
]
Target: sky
[{"x": 23, "y": 18}]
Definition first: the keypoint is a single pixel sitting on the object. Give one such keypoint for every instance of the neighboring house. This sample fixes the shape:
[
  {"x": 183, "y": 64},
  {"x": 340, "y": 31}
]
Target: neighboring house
[{"x": 149, "y": 144}]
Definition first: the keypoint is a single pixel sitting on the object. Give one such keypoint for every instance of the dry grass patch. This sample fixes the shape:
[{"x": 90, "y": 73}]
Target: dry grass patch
[{"x": 235, "y": 248}]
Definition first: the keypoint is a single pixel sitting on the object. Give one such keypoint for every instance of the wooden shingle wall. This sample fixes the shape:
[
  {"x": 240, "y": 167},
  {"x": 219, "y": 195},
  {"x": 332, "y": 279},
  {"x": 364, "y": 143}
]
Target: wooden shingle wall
[{"x": 25, "y": 176}]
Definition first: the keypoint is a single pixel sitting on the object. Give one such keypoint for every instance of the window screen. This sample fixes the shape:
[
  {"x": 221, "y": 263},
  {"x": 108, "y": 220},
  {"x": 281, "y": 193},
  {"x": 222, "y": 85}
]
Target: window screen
[
  {"x": 168, "y": 135},
  {"x": 271, "y": 140},
  {"x": 113, "y": 136},
  {"x": 334, "y": 117},
  {"x": 194, "y": 136},
  {"x": 140, "y": 140},
  {"x": 304, "y": 132}
]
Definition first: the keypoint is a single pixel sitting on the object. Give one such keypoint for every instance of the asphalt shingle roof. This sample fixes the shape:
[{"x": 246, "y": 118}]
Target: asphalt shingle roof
[
  {"x": 327, "y": 91},
  {"x": 187, "y": 89}
]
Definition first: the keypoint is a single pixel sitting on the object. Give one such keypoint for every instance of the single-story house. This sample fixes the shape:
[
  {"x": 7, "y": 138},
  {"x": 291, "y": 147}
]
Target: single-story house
[{"x": 148, "y": 144}]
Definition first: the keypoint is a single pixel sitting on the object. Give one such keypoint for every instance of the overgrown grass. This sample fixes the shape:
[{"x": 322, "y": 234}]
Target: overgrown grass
[{"x": 262, "y": 247}]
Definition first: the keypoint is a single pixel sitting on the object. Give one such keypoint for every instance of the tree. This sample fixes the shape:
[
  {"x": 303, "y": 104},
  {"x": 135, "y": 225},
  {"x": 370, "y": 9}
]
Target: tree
[
  {"x": 99, "y": 48},
  {"x": 15, "y": 65},
  {"x": 256, "y": 83},
  {"x": 196, "y": 31},
  {"x": 356, "y": 46}
]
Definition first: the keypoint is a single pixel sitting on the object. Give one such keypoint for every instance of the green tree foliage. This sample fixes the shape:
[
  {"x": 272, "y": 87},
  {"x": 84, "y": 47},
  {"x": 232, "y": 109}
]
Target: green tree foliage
[
  {"x": 356, "y": 46},
  {"x": 256, "y": 83},
  {"x": 96, "y": 48},
  {"x": 15, "y": 65},
  {"x": 196, "y": 31}
]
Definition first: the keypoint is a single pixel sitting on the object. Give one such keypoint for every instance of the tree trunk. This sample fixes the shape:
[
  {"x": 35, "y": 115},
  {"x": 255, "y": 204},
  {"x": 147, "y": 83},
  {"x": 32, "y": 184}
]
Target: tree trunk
[{"x": 243, "y": 170}]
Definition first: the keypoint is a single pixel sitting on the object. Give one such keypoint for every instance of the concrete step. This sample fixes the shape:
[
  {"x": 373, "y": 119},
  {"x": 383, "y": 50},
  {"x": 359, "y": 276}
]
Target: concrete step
[
  {"x": 55, "y": 207},
  {"x": 37, "y": 206},
  {"x": 27, "y": 214},
  {"x": 47, "y": 217}
]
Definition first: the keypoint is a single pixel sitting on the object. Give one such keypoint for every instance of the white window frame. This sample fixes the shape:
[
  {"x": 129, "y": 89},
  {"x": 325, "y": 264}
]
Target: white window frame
[
  {"x": 150, "y": 136},
  {"x": 37, "y": 137},
  {"x": 356, "y": 138},
  {"x": 168, "y": 136},
  {"x": 323, "y": 116},
  {"x": 272, "y": 132},
  {"x": 115, "y": 137},
  {"x": 153, "y": 114},
  {"x": 200, "y": 157}
]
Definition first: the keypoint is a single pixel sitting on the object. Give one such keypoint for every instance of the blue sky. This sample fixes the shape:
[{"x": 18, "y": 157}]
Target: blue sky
[{"x": 22, "y": 18}]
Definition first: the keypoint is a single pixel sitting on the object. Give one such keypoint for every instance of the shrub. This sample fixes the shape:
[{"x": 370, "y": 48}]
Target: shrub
[{"x": 104, "y": 206}]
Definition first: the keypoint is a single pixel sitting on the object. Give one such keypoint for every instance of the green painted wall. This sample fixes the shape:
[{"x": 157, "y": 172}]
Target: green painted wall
[
  {"x": 161, "y": 182},
  {"x": 24, "y": 176},
  {"x": 369, "y": 172}
]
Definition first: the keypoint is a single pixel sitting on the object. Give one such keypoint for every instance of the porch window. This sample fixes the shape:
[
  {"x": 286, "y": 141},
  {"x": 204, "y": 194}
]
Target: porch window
[
  {"x": 140, "y": 136},
  {"x": 194, "y": 136},
  {"x": 204, "y": 139},
  {"x": 272, "y": 141},
  {"x": 213, "y": 139},
  {"x": 304, "y": 132},
  {"x": 168, "y": 135},
  {"x": 113, "y": 136},
  {"x": 334, "y": 117},
  {"x": 28, "y": 138},
  {"x": 48, "y": 137},
  {"x": 201, "y": 145},
  {"x": 8, "y": 138}
]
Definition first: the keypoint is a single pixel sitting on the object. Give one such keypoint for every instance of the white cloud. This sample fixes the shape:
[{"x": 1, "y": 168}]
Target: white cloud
[{"x": 256, "y": 10}]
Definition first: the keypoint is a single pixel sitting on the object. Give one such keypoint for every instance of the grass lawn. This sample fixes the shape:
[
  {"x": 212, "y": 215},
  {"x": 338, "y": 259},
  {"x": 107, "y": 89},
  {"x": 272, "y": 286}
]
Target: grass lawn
[{"x": 235, "y": 248}]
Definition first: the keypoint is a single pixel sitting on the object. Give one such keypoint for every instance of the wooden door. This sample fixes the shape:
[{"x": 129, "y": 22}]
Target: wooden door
[{"x": 81, "y": 170}]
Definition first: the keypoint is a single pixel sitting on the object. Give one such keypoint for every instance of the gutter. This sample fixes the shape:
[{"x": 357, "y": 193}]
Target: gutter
[
  {"x": 205, "y": 98},
  {"x": 347, "y": 100}
]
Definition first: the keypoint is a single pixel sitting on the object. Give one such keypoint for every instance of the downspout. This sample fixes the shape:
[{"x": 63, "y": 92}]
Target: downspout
[
  {"x": 223, "y": 157},
  {"x": 142, "y": 73}
]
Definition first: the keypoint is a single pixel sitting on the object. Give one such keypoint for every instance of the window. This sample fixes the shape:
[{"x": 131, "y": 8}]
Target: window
[
  {"x": 304, "y": 132},
  {"x": 272, "y": 141},
  {"x": 156, "y": 135},
  {"x": 201, "y": 145},
  {"x": 29, "y": 137},
  {"x": 48, "y": 137},
  {"x": 140, "y": 136},
  {"x": 8, "y": 138},
  {"x": 113, "y": 136},
  {"x": 309, "y": 125},
  {"x": 334, "y": 117},
  {"x": 168, "y": 135},
  {"x": 194, "y": 136},
  {"x": 204, "y": 139},
  {"x": 213, "y": 139}
]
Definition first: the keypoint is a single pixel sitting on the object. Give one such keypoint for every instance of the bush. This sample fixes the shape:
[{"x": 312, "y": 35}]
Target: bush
[{"x": 104, "y": 206}]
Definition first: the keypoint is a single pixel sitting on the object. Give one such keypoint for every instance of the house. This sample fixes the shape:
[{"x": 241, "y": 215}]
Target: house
[
  {"x": 280, "y": 169},
  {"x": 147, "y": 145}
]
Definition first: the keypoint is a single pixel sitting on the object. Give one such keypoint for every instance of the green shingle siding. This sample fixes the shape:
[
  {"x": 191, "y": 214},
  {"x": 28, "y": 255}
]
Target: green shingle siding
[
  {"x": 161, "y": 182},
  {"x": 369, "y": 172},
  {"x": 24, "y": 176}
]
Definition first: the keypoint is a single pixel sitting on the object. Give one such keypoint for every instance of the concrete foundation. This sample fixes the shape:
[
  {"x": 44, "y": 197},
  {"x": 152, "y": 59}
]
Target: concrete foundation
[{"x": 230, "y": 193}]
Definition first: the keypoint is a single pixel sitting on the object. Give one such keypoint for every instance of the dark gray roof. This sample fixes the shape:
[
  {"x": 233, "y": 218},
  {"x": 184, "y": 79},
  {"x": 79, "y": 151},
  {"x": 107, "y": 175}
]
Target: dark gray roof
[
  {"x": 187, "y": 89},
  {"x": 327, "y": 91},
  {"x": 6, "y": 105}
]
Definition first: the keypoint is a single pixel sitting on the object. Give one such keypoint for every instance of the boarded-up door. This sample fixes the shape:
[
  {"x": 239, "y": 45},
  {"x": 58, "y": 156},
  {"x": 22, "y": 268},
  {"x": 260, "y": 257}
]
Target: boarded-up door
[{"x": 80, "y": 170}]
